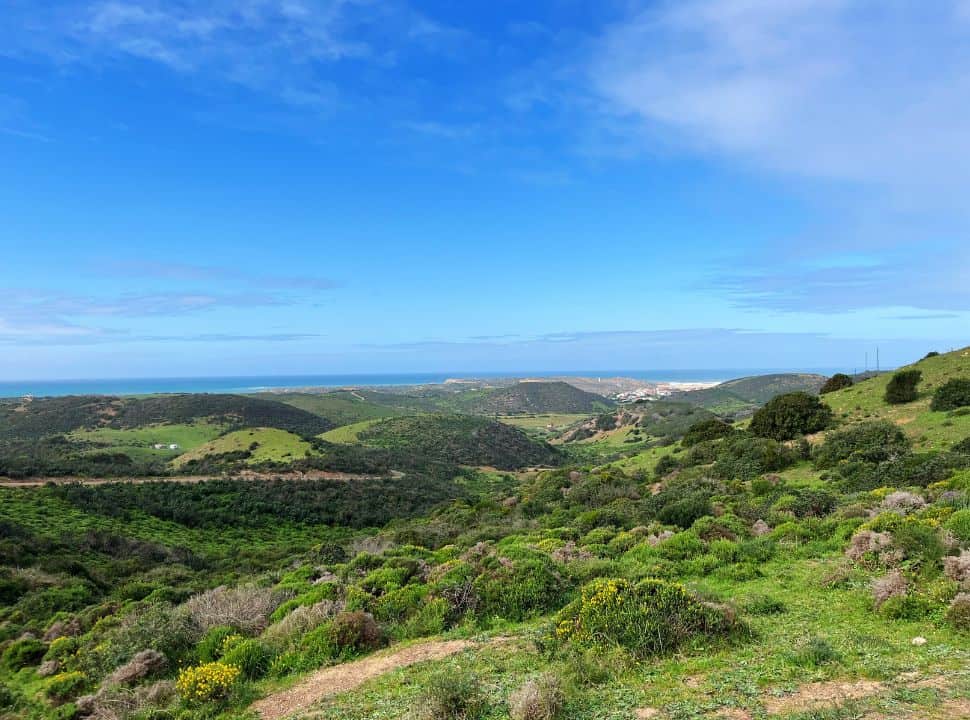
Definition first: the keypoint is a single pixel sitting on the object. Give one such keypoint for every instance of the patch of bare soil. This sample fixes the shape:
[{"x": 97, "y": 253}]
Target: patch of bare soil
[
  {"x": 349, "y": 676},
  {"x": 645, "y": 713},
  {"x": 814, "y": 696},
  {"x": 731, "y": 714}
]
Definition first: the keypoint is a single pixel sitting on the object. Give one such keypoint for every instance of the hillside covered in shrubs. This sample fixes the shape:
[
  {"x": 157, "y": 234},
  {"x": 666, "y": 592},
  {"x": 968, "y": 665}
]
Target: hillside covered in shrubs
[{"x": 811, "y": 563}]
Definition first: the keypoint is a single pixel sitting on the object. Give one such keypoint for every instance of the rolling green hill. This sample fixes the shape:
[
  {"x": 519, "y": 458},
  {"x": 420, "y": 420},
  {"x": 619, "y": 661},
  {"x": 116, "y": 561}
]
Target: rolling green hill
[
  {"x": 341, "y": 407},
  {"x": 462, "y": 439},
  {"x": 927, "y": 429},
  {"x": 743, "y": 396},
  {"x": 255, "y": 446},
  {"x": 532, "y": 397}
]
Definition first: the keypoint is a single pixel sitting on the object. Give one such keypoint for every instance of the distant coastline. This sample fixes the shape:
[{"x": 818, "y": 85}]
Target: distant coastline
[{"x": 263, "y": 383}]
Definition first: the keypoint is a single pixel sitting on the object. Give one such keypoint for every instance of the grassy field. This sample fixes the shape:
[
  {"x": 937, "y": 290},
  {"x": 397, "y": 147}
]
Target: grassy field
[
  {"x": 928, "y": 430},
  {"x": 341, "y": 407},
  {"x": 138, "y": 442},
  {"x": 265, "y": 445},
  {"x": 348, "y": 434}
]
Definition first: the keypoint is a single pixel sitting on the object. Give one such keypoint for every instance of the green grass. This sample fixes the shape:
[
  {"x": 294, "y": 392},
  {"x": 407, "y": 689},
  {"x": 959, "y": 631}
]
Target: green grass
[
  {"x": 348, "y": 434},
  {"x": 928, "y": 430},
  {"x": 342, "y": 407},
  {"x": 138, "y": 442},
  {"x": 741, "y": 674},
  {"x": 265, "y": 444}
]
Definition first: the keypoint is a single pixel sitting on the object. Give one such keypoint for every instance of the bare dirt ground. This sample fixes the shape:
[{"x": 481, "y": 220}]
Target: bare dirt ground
[
  {"x": 312, "y": 475},
  {"x": 814, "y": 696},
  {"x": 349, "y": 676}
]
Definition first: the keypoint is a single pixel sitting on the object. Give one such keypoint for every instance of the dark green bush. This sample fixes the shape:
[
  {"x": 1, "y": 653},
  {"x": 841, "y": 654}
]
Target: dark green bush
[
  {"x": 711, "y": 429},
  {"x": 902, "y": 387},
  {"x": 951, "y": 395},
  {"x": 839, "y": 381},
  {"x": 684, "y": 512},
  {"x": 871, "y": 442},
  {"x": 787, "y": 416},
  {"x": 744, "y": 457},
  {"x": 250, "y": 656},
  {"x": 22, "y": 653},
  {"x": 665, "y": 465}
]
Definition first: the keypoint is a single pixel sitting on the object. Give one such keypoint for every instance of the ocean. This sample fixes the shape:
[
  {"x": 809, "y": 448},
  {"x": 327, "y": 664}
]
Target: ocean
[{"x": 257, "y": 383}]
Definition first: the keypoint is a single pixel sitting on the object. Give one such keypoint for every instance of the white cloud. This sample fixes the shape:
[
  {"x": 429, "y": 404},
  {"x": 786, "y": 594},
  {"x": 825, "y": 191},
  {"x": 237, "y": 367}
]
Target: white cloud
[{"x": 876, "y": 93}]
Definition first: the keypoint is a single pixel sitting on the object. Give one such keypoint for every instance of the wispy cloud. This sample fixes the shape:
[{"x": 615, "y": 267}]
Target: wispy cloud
[
  {"x": 278, "y": 48},
  {"x": 875, "y": 93},
  {"x": 919, "y": 279},
  {"x": 186, "y": 272}
]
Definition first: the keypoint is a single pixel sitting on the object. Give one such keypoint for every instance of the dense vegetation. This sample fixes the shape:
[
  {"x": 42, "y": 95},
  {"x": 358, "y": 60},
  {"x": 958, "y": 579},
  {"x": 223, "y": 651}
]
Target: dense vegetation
[
  {"x": 463, "y": 439},
  {"x": 715, "y": 572},
  {"x": 533, "y": 397},
  {"x": 741, "y": 397}
]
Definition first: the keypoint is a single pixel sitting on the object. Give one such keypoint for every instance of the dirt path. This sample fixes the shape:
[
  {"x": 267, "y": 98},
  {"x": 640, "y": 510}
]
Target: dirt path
[
  {"x": 312, "y": 475},
  {"x": 348, "y": 676}
]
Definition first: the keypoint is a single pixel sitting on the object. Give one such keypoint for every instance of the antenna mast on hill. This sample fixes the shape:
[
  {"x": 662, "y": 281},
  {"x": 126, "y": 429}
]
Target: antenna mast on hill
[
  {"x": 877, "y": 358},
  {"x": 867, "y": 361}
]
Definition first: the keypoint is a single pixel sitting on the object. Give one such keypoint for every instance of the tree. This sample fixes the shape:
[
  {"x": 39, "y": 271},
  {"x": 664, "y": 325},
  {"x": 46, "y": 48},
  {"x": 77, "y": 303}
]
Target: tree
[
  {"x": 951, "y": 395},
  {"x": 902, "y": 387},
  {"x": 710, "y": 429},
  {"x": 787, "y": 416},
  {"x": 838, "y": 381}
]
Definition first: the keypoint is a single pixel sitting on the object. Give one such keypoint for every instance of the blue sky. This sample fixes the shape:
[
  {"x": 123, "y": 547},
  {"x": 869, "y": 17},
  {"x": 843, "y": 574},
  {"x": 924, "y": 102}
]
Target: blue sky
[{"x": 286, "y": 186}]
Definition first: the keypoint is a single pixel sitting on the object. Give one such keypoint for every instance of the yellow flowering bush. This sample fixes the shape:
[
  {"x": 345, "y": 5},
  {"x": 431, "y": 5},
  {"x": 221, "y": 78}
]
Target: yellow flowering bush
[
  {"x": 65, "y": 685},
  {"x": 211, "y": 681},
  {"x": 646, "y": 618}
]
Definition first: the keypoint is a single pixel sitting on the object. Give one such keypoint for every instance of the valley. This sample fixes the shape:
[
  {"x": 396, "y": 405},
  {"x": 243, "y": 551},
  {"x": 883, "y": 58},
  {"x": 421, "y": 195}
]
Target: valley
[{"x": 489, "y": 552}]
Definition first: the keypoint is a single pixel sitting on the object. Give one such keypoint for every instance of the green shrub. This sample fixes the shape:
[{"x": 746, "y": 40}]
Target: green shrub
[
  {"x": 21, "y": 653},
  {"x": 815, "y": 652},
  {"x": 8, "y": 698},
  {"x": 711, "y": 429},
  {"x": 951, "y": 395},
  {"x": 64, "y": 686},
  {"x": 959, "y": 525},
  {"x": 323, "y": 591},
  {"x": 648, "y": 618},
  {"x": 958, "y": 613},
  {"x": 684, "y": 512},
  {"x": 665, "y": 465},
  {"x": 356, "y": 631},
  {"x": 453, "y": 695},
  {"x": 681, "y": 546},
  {"x": 902, "y": 387},
  {"x": 839, "y": 381},
  {"x": 211, "y": 646},
  {"x": 516, "y": 590},
  {"x": 787, "y": 416},
  {"x": 912, "y": 606},
  {"x": 870, "y": 442},
  {"x": 744, "y": 457},
  {"x": 250, "y": 656}
]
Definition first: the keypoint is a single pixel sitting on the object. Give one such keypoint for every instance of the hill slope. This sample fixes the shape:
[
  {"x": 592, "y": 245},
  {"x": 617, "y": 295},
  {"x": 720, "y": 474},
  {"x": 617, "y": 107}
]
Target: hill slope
[
  {"x": 533, "y": 397},
  {"x": 927, "y": 429},
  {"x": 462, "y": 439},
  {"x": 745, "y": 395}
]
